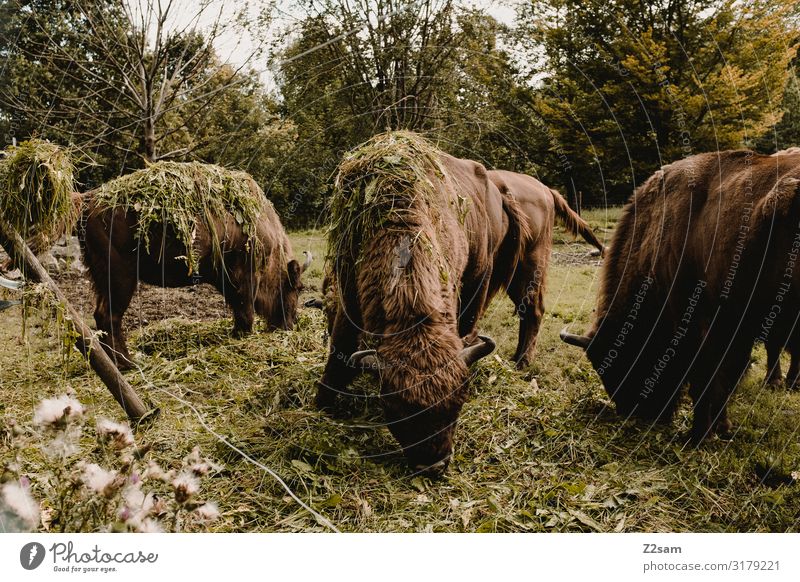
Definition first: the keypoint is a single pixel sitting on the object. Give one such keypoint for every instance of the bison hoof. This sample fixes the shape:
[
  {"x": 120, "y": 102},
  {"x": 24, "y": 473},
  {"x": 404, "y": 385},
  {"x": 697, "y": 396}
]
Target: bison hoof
[
  {"x": 523, "y": 363},
  {"x": 123, "y": 365},
  {"x": 240, "y": 333}
]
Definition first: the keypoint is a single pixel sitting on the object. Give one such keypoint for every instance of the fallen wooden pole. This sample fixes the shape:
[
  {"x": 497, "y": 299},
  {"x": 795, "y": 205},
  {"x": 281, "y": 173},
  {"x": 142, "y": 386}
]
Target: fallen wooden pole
[{"x": 24, "y": 259}]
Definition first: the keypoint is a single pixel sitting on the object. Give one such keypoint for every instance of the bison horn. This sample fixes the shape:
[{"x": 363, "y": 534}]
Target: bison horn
[
  {"x": 9, "y": 284},
  {"x": 6, "y": 304},
  {"x": 472, "y": 354},
  {"x": 315, "y": 303},
  {"x": 307, "y": 262},
  {"x": 367, "y": 360},
  {"x": 581, "y": 341}
]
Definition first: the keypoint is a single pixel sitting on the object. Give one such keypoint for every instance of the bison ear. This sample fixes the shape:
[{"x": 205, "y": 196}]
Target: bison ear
[{"x": 295, "y": 271}]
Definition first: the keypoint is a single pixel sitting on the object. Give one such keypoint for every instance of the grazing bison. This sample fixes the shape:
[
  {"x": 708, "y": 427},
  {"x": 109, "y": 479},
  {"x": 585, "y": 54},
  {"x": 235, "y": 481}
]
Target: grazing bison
[
  {"x": 702, "y": 265},
  {"x": 541, "y": 205},
  {"x": 412, "y": 249},
  {"x": 254, "y": 272}
]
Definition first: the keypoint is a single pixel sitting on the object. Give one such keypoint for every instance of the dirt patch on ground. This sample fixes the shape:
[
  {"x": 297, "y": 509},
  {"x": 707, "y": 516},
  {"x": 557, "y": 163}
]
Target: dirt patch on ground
[
  {"x": 574, "y": 254},
  {"x": 149, "y": 305}
]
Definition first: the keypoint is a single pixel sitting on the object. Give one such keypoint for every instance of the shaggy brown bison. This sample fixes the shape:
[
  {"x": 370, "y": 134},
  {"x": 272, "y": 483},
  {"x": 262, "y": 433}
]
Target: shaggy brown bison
[
  {"x": 412, "y": 249},
  {"x": 702, "y": 265},
  {"x": 541, "y": 205},
  {"x": 255, "y": 273}
]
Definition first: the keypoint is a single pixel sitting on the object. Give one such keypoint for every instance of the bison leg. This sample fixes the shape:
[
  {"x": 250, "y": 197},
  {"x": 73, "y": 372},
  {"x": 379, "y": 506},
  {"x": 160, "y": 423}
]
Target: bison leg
[
  {"x": 527, "y": 292},
  {"x": 774, "y": 374},
  {"x": 238, "y": 294},
  {"x": 115, "y": 280},
  {"x": 338, "y": 375},
  {"x": 244, "y": 315},
  {"x": 793, "y": 376},
  {"x": 472, "y": 303},
  {"x": 113, "y": 301}
]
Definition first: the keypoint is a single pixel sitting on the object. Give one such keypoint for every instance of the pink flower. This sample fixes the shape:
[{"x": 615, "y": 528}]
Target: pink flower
[
  {"x": 100, "y": 480},
  {"x": 119, "y": 435},
  {"x": 56, "y": 412},
  {"x": 186, "y": 485},
  {"x": 208, "y": 511},
  {"x": 19, "y": 501}
]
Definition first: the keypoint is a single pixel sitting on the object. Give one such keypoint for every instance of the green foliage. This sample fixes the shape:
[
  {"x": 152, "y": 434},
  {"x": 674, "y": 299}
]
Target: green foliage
[
  {"x": 181, "y": 195},
  {"x": 36, "y": 186},
  {"x": 632, "y": 86},
  {"x": 436, "y": 68}
]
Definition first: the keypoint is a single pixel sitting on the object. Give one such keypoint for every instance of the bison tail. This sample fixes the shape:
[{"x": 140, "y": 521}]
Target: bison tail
[
  {"x": 518, "y": 235},
  {"x": 574, "y": 223}
]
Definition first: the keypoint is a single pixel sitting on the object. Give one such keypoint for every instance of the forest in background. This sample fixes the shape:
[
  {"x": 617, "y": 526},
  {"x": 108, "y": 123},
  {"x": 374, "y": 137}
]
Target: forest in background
[{"x": 590, "y": 96}]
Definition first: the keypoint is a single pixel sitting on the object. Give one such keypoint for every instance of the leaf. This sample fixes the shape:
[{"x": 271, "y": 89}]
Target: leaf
[
  {"x": 332, "y": 501},
  {"x": 302, "y": 466},
  {"x": 586, "y": 520}
]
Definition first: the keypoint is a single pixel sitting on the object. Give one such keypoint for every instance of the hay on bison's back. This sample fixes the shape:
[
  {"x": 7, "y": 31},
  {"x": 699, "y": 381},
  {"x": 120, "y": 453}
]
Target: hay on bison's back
[
  {"x": 36, "y": 186},
  {"x": 179, "y": 194},
  {"x": 382, "y": 183}
]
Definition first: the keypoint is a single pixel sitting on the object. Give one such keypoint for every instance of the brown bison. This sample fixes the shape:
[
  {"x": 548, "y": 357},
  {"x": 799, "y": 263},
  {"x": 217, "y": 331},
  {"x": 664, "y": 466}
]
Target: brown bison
[
  {"x": 256, "y": 274},
  {"x": 541, "y": 205},
  {"x": 415, "y": 237},
  {"x": 702, "y": 265}
]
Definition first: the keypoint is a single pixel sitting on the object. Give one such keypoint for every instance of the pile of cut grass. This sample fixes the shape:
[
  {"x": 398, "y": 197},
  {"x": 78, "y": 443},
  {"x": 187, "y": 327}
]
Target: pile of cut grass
[
  {"x": 181, "y": 195},
  {"x": 36, "y": 185},
  {"x": 383, "y": 182}
]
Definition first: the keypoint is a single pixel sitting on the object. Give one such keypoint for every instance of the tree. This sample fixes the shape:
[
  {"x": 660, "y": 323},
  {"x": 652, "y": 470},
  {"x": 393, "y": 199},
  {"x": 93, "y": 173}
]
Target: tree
[
  {"x": 632, "y": 85},
  {"x": 119, "y": 77},
  {"x": 355, "y": 69}
]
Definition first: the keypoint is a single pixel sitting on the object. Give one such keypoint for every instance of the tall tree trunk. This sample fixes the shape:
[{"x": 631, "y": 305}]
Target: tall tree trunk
[{"x": 149, "y": 141}]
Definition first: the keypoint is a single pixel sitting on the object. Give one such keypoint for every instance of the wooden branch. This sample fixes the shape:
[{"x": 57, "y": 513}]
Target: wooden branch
[{"x": 87, "y": 343}]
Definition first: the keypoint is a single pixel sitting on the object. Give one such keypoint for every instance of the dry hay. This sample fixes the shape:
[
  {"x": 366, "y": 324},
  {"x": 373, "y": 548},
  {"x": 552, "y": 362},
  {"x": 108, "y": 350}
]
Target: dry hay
[
  {"x": 182, "y": 194},
  {"x": 384, "y": 183},
  {"x": 36, "y": 185}
]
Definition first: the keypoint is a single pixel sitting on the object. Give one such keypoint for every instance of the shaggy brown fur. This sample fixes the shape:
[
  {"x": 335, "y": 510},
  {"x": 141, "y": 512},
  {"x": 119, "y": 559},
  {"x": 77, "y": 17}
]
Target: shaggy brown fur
[
  {"x": 420, "y": 286},
  {"x": 117, "y": 262},
  {"x": 702, "y": 265},
  {"x": 526, "y": 285}
]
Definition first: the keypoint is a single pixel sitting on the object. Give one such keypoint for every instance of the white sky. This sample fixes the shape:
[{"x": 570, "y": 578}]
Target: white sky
[{"x": 236, "y": 49}]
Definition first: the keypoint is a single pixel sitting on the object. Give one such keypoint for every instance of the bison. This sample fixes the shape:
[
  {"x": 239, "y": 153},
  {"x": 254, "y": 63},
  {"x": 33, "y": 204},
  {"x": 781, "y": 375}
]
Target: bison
[
  {"x": 541, "y": 205},
  {"x": 703, "y": 264},
  {"x": 411, "y": 267},
  {"x": 256, "y": 274}
]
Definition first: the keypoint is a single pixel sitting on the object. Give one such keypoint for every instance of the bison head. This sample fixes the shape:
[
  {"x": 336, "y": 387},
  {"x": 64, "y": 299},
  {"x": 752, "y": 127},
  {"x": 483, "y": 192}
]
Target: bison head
[
  {"x": 422, "y": 399},
  {"x": 641, "y": 358},
  {"x": 280, "y": 310}
]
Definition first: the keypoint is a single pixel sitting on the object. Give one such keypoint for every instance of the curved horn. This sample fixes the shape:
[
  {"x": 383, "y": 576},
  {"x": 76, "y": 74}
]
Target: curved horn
[
  {"x": 367, "y": 360},
  {"x": 314, "y": 303},
  {"x": 6, "y": 304},
  {"x": 472, "y": 354},
  {"x": 581, "y": 341},
  {"x": 307, "y": 262},
  {"x": 9, "y": 284}
]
